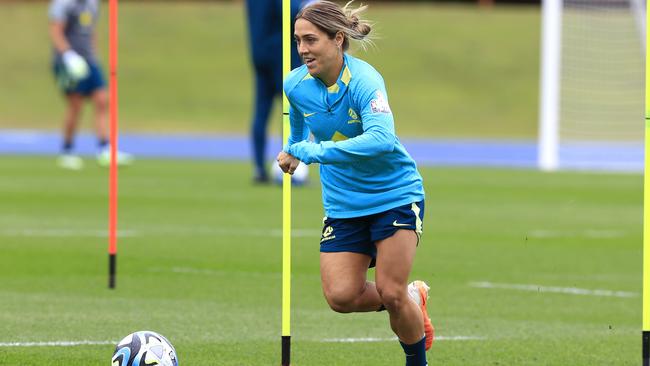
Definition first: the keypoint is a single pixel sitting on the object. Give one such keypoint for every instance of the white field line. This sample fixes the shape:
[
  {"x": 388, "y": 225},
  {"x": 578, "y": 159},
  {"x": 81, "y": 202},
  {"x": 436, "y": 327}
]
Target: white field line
[
  {"x": 229, "y": 231},
  {"x": 180, "y": 231},
  {"x": 56, "y": 343},
  {"x": 212, "y": 272},
  {"x": 589, "y": 233},
  {"x": 203, "y": 271},
  {"x": 327, "y": 340},
  {"x": 393, "y": 339},
  {"x": 553, "y": 289},
  {"x": 64, "y": 233}
]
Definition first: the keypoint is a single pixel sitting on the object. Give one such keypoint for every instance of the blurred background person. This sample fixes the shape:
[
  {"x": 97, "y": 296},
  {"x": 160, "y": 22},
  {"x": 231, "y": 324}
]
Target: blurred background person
[
  {"x": 79, "y": 75},
  {"x": 265, "y": 35}
]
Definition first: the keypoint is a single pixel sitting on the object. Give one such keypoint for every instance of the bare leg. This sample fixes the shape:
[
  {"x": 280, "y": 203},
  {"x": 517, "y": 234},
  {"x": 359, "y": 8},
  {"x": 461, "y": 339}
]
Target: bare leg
[
  {"x": 343, "y": 276},
  {"x": 100, "y": 100},
  {"x": 394, "y": 260},
  {"x": 71, "y": 121}
]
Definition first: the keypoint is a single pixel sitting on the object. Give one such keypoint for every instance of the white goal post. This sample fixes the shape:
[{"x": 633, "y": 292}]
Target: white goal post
[{"x": 591, "y": 83}]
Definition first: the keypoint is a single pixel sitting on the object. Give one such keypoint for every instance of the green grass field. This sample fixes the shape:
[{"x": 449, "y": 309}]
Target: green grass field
[
  {"x": 451, "y": 71},
  {"x": 199, "y": 261},
  {"x": 199, "y": 250}
]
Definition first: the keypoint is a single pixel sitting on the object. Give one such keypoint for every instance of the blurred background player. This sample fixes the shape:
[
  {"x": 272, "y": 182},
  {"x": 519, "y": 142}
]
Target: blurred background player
[
  {"x": 265, "y": 33},
  {"x": 372, "y": 191},
  {"x": 78, "y": 74}
]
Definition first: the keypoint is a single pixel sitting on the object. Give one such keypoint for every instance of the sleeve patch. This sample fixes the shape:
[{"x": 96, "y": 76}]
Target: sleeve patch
[{"x": 379, "y": 104}]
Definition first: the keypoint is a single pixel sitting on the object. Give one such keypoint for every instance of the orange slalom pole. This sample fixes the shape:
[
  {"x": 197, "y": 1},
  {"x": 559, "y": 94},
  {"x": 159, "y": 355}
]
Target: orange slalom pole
[{"x": 112, "y": 189}]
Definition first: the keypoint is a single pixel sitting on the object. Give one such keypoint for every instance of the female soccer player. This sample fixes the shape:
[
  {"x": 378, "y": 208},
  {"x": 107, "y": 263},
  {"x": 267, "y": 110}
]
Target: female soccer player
[{"x": 372, "y": 192}]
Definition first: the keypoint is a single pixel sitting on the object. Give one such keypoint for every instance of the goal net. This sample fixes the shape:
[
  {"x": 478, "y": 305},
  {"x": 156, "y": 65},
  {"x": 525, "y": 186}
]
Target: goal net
[{"x": 592, "y": 97}]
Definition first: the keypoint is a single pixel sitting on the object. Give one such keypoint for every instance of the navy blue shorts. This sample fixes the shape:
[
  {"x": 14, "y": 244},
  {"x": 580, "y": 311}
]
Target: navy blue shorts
[
  {"x": 94, "y": 81},
  {"x": 359, "y": 234}
]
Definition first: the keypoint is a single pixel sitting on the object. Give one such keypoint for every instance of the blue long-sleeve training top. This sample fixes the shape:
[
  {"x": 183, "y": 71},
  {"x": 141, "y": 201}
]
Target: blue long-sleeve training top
[{"x": 364, "y": 167}]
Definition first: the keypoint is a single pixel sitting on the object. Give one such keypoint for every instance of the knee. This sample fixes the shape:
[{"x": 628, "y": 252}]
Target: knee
[
  {"x": 393, "y": 297},
  {"x": 71, "y": 120},
  {"x": 101, "y": 105},
  {"x": 100, "y": 100},
  {"x": 73, "y": 114},
  {"x": 340, "y": 300}
]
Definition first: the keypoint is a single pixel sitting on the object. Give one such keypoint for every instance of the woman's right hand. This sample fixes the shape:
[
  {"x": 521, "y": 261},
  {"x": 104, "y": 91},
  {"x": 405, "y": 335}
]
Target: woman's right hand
[{"x": 287, "y": 162}]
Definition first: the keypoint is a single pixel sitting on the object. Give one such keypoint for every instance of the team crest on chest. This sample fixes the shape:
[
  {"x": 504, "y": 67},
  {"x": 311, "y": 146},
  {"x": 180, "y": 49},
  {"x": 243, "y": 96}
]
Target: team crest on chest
[
  {"x": 85, "y": 18},
  {"x": 379, "y": 104},
  {"x": 354, "y": 117}
]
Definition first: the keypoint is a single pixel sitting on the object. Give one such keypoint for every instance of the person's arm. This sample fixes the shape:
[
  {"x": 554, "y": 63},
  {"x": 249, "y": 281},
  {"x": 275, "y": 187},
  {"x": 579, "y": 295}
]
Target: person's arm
[
  {"x": 57, "y": 36},
  {"x": 378, "y": 135},
  {"x": 76, "y": 66},
  {"x": 299, "y": 132},
  {"x": 374, "y": 141},
  {"x": 58, "y": 16}
]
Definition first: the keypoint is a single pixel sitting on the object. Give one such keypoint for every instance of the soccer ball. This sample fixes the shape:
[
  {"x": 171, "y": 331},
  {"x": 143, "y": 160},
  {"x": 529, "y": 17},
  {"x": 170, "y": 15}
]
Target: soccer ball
[
  {"x": 144, "y": 348},
  {"x": 75, "y": 65},
  {"x": 300, "y": 176}
]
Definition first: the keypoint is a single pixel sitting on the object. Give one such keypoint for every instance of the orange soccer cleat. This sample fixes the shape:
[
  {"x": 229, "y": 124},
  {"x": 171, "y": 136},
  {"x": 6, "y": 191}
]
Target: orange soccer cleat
[{"x": 419, "y": 292}]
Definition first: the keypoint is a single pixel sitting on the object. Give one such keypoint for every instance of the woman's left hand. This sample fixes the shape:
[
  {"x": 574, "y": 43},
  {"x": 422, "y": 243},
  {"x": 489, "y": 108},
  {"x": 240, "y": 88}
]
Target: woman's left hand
[{"x": 287, "y": 162}]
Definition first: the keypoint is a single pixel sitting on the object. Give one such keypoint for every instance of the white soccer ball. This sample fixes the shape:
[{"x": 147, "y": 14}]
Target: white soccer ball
[
  {"x": 299, "y": 177},
  {"x": 144, "y": 348}
]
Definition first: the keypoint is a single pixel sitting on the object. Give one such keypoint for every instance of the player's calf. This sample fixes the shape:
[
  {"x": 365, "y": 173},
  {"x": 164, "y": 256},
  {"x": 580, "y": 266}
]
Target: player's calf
[{"x": 419, "y": 293}]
